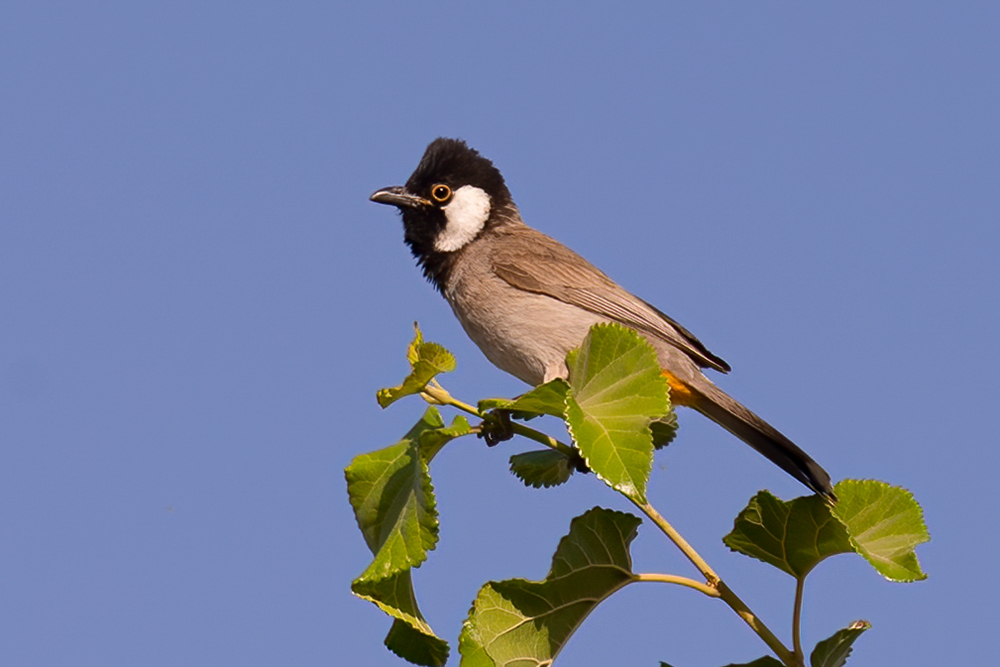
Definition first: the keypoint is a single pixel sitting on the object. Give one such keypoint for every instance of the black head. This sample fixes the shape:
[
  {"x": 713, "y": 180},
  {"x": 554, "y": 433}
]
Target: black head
[{"x": 452, "y": 196}]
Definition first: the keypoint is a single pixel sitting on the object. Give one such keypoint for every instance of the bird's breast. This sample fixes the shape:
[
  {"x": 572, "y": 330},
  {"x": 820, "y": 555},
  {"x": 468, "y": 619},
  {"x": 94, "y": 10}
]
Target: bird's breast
[{"x": 522, "y": 333}]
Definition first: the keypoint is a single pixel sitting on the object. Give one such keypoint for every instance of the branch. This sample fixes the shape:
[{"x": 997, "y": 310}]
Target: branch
[
  {"x": 715, "y": 587},
  {"x": 797, "y": 620},
  {"x": 435, "y": 393},
  {"x": 710, "y": 591},
  {"x": 723, "y": 591}
]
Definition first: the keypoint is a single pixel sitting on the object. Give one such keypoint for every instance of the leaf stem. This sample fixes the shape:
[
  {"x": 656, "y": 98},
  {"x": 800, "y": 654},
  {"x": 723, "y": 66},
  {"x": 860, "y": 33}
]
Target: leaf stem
[
  {"x": 800, "y": 656},
  {"x": 676, "y": 538},
  {"x": 714, "y": 581},
  {"x": 435, "y": 393},
  {"x": 710, "y": 591},
  {"x": 757, "y": 625},
  {"x": 544, "y": 439}
]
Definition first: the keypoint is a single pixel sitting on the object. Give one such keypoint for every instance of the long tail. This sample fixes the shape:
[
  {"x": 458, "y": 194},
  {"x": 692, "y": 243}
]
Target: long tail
[{"x": 751, "y": 429}]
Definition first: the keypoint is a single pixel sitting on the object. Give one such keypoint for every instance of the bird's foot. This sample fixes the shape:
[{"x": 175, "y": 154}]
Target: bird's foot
[{"x": 496, "y": 427}]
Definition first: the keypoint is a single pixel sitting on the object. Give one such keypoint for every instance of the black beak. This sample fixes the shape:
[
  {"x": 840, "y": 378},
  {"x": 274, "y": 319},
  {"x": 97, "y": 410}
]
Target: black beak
[{"x": 398, "y": 197}]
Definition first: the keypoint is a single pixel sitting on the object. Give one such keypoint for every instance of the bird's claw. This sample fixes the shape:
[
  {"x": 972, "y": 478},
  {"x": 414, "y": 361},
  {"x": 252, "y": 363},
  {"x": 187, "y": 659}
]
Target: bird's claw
[{"x": 496, "y": 427}]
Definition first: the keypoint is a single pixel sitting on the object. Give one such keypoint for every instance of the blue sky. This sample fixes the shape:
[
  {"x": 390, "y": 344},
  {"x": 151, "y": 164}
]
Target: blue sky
[{"x": 198, "y": 303}]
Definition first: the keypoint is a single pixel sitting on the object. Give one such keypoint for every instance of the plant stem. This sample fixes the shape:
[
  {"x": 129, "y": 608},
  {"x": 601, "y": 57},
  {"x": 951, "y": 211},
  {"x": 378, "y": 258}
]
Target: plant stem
[
  {"x": 714, "y": 581},
  {"x": 800, "y": 656},
  {"x": 543, "y": 438},
  {"x": 676, "y": 538},
  {"x": 715, "y": 587},
  {"x": 435, "y": 393},
  {"x": 710, "y": 591},
  {"x": 757, "y": 625}
]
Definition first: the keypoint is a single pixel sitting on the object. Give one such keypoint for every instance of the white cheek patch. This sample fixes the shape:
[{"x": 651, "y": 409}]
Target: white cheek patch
[{"x": 466, "y": 216}]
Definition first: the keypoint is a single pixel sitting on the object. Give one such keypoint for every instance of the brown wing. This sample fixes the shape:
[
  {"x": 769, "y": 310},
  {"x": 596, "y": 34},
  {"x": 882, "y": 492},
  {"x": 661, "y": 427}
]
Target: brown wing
[{"x": 531, "y": 261}]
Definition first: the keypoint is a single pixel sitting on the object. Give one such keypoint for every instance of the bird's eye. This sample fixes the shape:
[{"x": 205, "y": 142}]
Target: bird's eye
[{"x": 441, "y": 193}]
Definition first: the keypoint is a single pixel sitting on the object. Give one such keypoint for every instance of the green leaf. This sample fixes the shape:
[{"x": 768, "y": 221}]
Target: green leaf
[
  {"x": 616, "y": 389},
  {"x": 546, "y": 467},
  {"x": 766, "y": 661},
  {"x": 793, "y": 536},
  {"x": 415, "y": 646},
  {"x": 394, "y": 595},
  {"x": 410, "y": 637},
  {"x": 885, "y": 524},
  {"x": 545, "y": 399},
  {"x": 518, "y": 622},
  {"x": 833, "y": 652},
  {"x": 664, "y": 430},
  {"x": 433, "y": 440},
  {"x": 393, "y": 500},
  {"x": 426, "y": 361}
]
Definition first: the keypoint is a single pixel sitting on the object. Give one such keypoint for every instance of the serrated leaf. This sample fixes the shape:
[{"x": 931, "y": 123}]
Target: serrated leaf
[
  {"x": 433, "y": 440},
  {"x": 793, "y": 536},
  {"x": 545, "y": 399},
  {"x": 616, "y": 389},
  {"x": 882, "y": 523},
  {"x": 415, "y": 646},
  {"x": 664, "y": 430},
  {"x": 546, "y": 467},
  {"x": 395, "y": 596},
  {"x": 885, "y": 524},
  {"x": 765, "y": 661},
  {"x": 426, "y": 361},
  {"x": 516, "y": 622},
  {"x": 833, "y": 652},
  {"x": 410, "y": 637},
  {"x": 393, "y": 500},
  {"x": 413, "y": 349}
]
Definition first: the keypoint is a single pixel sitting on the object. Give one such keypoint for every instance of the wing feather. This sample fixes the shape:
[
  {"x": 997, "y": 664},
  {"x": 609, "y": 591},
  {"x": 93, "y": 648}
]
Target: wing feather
[{"x": 534, "y": 262}]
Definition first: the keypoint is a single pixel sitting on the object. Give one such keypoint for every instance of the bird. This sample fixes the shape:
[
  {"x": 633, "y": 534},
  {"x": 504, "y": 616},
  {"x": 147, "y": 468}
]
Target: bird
[{"x": 526, "y": 299}]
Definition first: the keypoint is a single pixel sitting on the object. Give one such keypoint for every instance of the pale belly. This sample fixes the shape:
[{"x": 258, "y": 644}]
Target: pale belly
[{"x": 525, "y": 334}]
